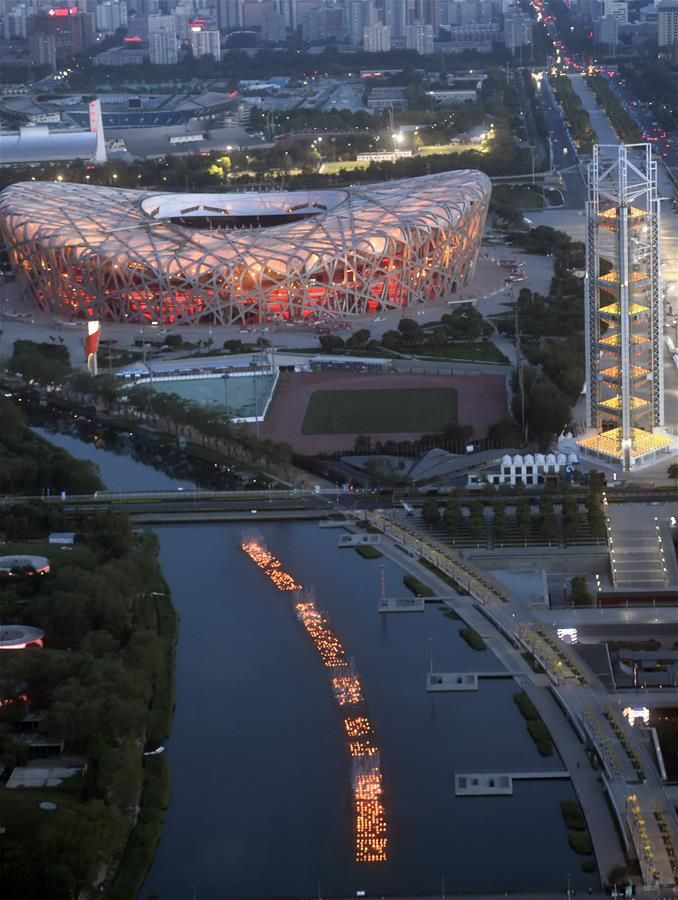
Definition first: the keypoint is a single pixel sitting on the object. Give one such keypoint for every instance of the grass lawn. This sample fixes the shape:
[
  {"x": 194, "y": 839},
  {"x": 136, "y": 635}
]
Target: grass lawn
[
  {"x": 389, "y": 411},
  {"x": 469, "y": 351},
  {"x": 21, "y": 815},
  {"x": 29, "y": 548}
]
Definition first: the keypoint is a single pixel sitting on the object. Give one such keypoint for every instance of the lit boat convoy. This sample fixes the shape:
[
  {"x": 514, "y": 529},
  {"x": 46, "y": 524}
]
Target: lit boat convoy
[
  {"x": 270, "y": 565},
  {"x": 371, "y": 839}
]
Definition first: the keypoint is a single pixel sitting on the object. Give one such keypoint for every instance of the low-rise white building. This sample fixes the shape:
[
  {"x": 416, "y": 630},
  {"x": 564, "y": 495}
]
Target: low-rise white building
[{"x": 529, "y": 469}]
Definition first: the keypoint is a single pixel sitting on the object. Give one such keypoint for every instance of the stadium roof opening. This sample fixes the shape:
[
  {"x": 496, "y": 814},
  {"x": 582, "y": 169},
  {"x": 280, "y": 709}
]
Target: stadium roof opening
[{"x": 241, "y": 210}]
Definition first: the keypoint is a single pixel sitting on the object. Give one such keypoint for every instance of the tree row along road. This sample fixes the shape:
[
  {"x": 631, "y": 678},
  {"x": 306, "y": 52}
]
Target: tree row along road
[{"x": 628, "y": 494}]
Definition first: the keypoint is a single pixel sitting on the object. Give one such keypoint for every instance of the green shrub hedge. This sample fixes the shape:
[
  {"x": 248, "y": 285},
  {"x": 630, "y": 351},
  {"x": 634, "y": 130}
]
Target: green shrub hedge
[
  {"x": 580, "y": 842},
  {"x": 573, "y": 815},
  {"x": 526, "y": 706},
  {"x": 473, "y": 639},
  {"x": 368, "y": 551},
  {"x": 418, "y": 588}
]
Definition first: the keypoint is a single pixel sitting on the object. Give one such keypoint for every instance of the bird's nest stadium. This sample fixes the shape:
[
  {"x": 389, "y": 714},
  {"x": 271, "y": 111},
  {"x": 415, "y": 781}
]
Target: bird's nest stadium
[{"x": 137, "y": 256}]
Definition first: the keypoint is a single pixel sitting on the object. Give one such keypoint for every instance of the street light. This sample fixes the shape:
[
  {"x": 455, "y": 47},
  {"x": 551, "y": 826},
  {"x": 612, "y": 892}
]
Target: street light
[{"x": 397, "y": 139}]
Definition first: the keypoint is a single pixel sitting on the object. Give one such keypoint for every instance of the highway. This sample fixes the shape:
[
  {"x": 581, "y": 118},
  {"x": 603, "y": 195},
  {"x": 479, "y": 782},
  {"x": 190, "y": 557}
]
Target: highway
[
  {"x": 325, "y": 499},
  {"x": 563, "y": 150}
]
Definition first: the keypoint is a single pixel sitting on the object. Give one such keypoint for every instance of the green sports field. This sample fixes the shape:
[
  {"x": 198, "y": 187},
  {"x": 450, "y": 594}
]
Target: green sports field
[{"x": 412, "y": 410}]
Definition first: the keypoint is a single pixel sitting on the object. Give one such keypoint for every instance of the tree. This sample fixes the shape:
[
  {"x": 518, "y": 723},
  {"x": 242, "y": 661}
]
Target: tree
[
  {"x": 499, "y": 521},
  {"x": 570, "y": 517},
  {"x": 523, "y": 517},
  {"x": 452, "y": 517},
  {"x": 581, "y": 596},
  {"x": 477, "y": 520},
  {"x": 363, "y": 444},
  {"x": 411, "y": 332},
  {"x": 391, "y": 340},
  {"x": 359, "y": 339},
  {"x": 331, "y": 342},
  {"x": 672, "y": 473},
  {"x": 548, "y": 409},
  {"x": 13, "y": 420},
  {"x": 547, "y": 516},
  {"x": 44, "y": 363},
  {"x": 430, "y": 512},
  {"x": 439, "y": 337},
  {"x": 106, "y": 386}
]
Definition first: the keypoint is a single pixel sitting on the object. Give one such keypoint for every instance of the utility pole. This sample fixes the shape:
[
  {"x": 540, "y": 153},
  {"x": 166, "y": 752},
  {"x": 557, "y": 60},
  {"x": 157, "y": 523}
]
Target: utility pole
[
  {"x": 550, "y": 152},
  {"x": 519, "y": 365}
]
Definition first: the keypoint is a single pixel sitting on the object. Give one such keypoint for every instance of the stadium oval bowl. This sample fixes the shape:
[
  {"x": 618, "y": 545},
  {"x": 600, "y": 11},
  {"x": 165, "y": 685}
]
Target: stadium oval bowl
[
  {"x": 18, "y": 637},
  {"x": 136, "y": 256},
  {"x": 24, "y": 565}
]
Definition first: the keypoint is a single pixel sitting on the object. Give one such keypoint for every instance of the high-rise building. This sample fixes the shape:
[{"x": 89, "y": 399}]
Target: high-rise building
[
  {"x": 624, "y": 307},
  {"x": 111, "y": 15},
  {"x": 517, "y": 29},
  {"x": 229, "y": 14},
  {"x": 377, "y": 38},
  {"x": 618, "y": 9},
  {"x": 273, "y": 27},
  {"x": 15, "y": 23},
  {"x": 294, "y": 11},
  {"x": 396, "y": 17},
  {"x": 183, "y": 13},
  {"x": 425, "y": 11},
  {"x": 73, "y": 30},
  {"x": 162, "y": 40},
  {"x": 667, "y": 23},
  {"x": 362, "y": 14},
  {"x": 606, "y": 30},
  {"x": 42, "y": 48},
  {"x": 203, "y": 38},
  {"x": 419, "y": 37},
  {"x": 323, "y": 23}
]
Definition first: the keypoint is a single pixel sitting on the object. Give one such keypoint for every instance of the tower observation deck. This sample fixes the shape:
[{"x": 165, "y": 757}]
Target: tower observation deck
[{"x": 624, "y": 318}]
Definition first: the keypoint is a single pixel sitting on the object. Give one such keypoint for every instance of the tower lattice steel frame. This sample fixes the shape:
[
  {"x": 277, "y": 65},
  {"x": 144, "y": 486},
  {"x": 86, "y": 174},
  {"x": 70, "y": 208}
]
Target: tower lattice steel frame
[{"x": 624, "y": 317}]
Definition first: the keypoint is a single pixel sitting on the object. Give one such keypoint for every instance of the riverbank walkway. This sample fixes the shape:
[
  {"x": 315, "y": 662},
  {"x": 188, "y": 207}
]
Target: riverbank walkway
[{"x": 585, "y": 780}]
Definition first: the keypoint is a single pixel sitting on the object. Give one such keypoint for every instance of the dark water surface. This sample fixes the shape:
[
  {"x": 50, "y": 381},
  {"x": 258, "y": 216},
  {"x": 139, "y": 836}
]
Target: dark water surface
[
  {"x": 261, "y": 799},
  {"x": 119, "y": 471}
]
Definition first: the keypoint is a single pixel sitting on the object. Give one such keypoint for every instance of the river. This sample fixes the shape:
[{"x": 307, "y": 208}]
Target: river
[{"x": 261, "y": 800}]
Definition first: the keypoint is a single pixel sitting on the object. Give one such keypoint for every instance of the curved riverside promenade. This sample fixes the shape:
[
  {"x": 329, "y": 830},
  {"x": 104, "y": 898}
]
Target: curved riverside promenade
[{"x": 573, "y": 705}]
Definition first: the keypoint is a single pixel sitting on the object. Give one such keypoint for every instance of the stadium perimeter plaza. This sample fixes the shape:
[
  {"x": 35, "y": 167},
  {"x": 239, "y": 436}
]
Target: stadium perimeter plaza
[{"x": 135, "y": 256}]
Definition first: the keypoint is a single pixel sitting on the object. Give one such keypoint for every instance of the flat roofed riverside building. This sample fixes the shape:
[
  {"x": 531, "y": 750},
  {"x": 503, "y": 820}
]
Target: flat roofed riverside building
[
  {"x": 624, "y": 321},
  {"x": 124, "y": 255}
]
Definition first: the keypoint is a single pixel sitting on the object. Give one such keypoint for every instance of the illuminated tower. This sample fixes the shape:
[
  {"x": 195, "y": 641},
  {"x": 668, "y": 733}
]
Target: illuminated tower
[{"x": 624, "y": 346}]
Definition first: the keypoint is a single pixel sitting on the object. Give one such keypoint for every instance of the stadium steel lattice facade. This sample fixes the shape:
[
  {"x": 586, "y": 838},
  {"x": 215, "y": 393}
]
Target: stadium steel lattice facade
[{"x": 125, "y": 255}]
